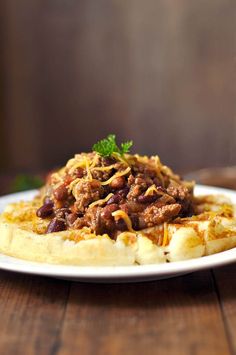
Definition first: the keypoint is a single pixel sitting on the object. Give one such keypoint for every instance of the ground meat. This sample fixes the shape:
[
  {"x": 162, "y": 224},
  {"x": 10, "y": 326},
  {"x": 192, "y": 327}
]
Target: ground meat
[
  {"x": 134, "y": 192},
  {"x": 137, "y": 188},
  {"x": 90, "y": 219},
  {"x": 138, "y": 185},
  {"x": 164, "y": 200},
  {"x": 177, "y": 191},
  {"x": 131, "y": 179},
  {"x": 86, "y": 193},
  {"x": 169, "y": 199},
  {"x": 133, "y": 207},
  {"x": 100, "y": 220},
  {"x": 71, "y": 218},
  {"x": 78, "y": 223},
  {"x": 153, "y": 215},
  {"x": 143, "y": 180},
  {"x": 102, "y": 175}
]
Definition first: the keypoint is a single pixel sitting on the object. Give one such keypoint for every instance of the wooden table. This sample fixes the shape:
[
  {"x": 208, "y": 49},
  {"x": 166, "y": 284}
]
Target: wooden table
[{"x": 191, "y": 314}]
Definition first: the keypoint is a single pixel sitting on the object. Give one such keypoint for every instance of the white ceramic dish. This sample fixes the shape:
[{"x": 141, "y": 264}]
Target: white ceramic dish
[{"x": 117, "y": 273}]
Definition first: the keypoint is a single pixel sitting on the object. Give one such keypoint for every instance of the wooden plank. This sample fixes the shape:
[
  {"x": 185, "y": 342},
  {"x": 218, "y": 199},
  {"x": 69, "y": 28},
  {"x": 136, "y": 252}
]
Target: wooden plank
[
  {"x": 32, "y": 310},
  {"x": 175, "y": 316},
  {"x": 226, "y": 288}
]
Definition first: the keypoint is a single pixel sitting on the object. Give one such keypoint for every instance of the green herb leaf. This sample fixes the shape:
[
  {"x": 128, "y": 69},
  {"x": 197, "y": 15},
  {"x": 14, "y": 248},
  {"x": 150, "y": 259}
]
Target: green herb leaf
[
  {"x": 125, "y": 147},
  {"x": 107, "y": 146}
]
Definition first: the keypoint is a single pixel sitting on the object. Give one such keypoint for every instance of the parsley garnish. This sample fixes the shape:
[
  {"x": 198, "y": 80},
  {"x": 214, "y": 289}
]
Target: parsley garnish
[{"x": 107, "y": 146}]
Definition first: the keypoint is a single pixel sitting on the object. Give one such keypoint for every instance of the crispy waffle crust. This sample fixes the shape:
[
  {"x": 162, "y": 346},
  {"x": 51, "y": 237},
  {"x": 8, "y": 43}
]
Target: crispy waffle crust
[{"x": 23, "y": 235}]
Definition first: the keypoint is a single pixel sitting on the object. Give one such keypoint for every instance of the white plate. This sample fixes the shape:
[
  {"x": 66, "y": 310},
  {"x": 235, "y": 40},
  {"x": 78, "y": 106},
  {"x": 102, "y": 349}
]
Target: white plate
[{"x": 118, "y": 273}]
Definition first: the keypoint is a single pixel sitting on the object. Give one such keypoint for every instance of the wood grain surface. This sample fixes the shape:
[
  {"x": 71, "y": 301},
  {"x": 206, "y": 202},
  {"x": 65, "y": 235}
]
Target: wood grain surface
[{"x": 192, "y": 314}]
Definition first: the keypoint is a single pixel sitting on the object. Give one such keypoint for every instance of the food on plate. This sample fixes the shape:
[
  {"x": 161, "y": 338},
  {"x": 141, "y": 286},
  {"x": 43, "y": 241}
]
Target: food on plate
[{"x": 110, "y": 207}]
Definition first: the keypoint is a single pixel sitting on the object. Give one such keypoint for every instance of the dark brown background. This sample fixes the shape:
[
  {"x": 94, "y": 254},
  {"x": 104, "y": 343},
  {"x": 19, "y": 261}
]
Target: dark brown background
[{"x": 159, "y": 72}]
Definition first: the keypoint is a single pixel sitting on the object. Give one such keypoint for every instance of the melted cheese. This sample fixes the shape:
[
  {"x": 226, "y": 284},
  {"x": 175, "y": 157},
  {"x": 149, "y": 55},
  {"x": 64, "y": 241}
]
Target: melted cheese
[
  {"x": 151, "y": 190},
  {"x": 119, "y": 173},
  {"x": 165, "y": 237},
  {"x": 89, "y": 175},
  {"x": 104, "y": 168},
  {"x": 102, "y": 201},
  {"x": 72, "y": 184},
  {"x": 121, "y": 214},
  {"x": 73, "y": 164}
]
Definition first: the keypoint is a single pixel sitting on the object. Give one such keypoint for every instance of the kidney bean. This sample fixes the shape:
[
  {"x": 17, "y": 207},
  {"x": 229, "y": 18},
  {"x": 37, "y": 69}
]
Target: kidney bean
[
  {"x": 56, "y": 225},
  {"x": 141, "y": 223},
  {"x": 107, "y": 210},
  {"x": 114, "y": 199},
  {"x": 147, "y": 198},
  {"x": 68, "y": 179},
  {"x": 124, "y": 192},
  {"x": 95, "y": 184},
  {"x": 45, "y": 210},
  {"x": 118, "y": 183},
  {"x": 131, "y": 180},
  {"x": 121, "y": 225},
  {"x": 79, "y": 172},
  {"x": 61, "y": 193},
  {"x": 135, "y": 221},
  {"x": 106, "y": 190}
]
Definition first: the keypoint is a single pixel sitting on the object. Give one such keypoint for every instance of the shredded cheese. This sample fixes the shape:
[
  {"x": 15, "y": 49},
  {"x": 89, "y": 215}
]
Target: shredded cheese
[
  {"x": 72, "y": 184},
  {"x": 121, "y": 214},
  {"x": 102, "y": 201},
  {"x": 82, "y": 161},
  {"x": 73, "y": 164},
  {"x": 151, "y": 190},
  {"x": 122, "y": 159},
  {"x": 119, "y": 173},
  {"x": 89, "y": 175},
  {"x": 165, "y": 236},
  {"x": 142, "y": 158},
  {"x": 104, "y": 168},
  {"x": 94, "y": 161}
]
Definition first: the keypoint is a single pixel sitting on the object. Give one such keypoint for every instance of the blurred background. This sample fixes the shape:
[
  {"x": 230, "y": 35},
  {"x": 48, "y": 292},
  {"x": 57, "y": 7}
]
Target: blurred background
[{"x": 162, "y": 73}]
